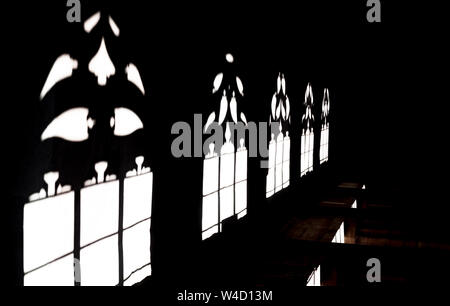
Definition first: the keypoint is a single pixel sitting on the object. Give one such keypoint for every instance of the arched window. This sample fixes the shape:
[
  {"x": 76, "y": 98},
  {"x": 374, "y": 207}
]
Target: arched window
[
  {"x": 94, "y": 231},
  {"x": 225, "y": 165},
  {"x": 339, "y": 237},
  {"x": 307, "y": 140},
  {"x": 325, "y": 128},
  {"x": 280, "y": 144}
]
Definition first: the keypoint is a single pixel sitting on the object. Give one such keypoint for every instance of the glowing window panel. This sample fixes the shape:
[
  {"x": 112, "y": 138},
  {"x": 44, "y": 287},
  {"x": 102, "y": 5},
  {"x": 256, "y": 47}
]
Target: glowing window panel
[
  {"x": 270, "y": 180},
  {"x": 325, "y": 130},
  {"x": 57, "y": 273},
  {"x": 225, "y": 165},
  {"x": 307, "y": 138},
  {"x": 99, "y": 211},
  {"x": 48, "y": 230},
  {"x": 279, "y": 164},
  {"x": 227, "y": 182},
  {"x": 210, "y": 206},
  {"x": 210, "y": 175},
  {"x": 99, "y": 263},
  {"x": 339, "y": 237},
  {"x": 210, "y": 211},
  {"x": 286, "y": 160},
  {"x": 278, "y": 174},
  {"x": 314, "y": 278},
  {"x": 241, "y": 181},
  {"x": 137, "y": 199},
  {"x": 138, "y": 276},
  {"x": 136, "y": 251}
]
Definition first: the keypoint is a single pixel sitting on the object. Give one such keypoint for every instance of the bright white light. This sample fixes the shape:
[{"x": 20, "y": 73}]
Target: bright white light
[
  {"x": 114, "y": 26},
  {"x": 226, "y": 169},
  {"x": 138, "y": 276},
  {"x": 311, "y": 151},
  {"x": 126, "y": 122},
  {"x": 339, "y": 237},
  {"x": 240, "y": 86},
  {"x": 58, "y": 273},
  {"x": 99, "y": 211},
  {"x": 208, "y": 233},
  {"x": 241, "y": 180},
  {"x": 136, "y": 248},
  {"x": 63, "y": 189},
  {"x": 241, "y": 165},
  {"x": 223, "y": 108},
  {"x": 210, "y": 175},
  {"x": 286, "y": 160},
  {"x": 278, "y": 84},
  {"x": 279, "y": 163},
  {"x": 72, "y": 125},
  {"x": 101, "y": 65},
  {"x": 136, "y": 239},
  {"x": 217, "y": 82},
  {"x": 227, "y": 180},
  {"x": 61, "y": 69},
  {"x": 91, "y": 22},
  {"x": 309, "y": 93},
  {"x": 242, "y": 214},
  {"x": 50, "y": 179},
  {"x": 241, "y": 196},
  {"x": 283, "y": 111},
  {"x": 307, "y": 151},
  {"x": 134, "y": 77},
  {"x": 303, "y": 165},
  {"x": 210, "y": 205},
  {"x": 229, "y": 166},
  {"x": 278, "y": 111},
  {"x": 137, "y": 199},
  {"x": 210, "y": 211},
  {"x": 139, "y": 160},
  {"x": 100, "y": 168},
  {"x": 314, "y": 278},
  {"x": 48, "y": 230},
  {"x": 233, "y": 109},
  {"x": 307, "y": 139},
  {"x": 99, "y": 263},
  {"x": 288, "y": 108},
  {"x": 226, "y": 202},
  {"x": 270, "y": 180},
  {"x": 324, "y": 134},
  {"x": 210, "y": 120},
  {"x": 243, "y": 118},
  {"x": 273, "y": 105}
]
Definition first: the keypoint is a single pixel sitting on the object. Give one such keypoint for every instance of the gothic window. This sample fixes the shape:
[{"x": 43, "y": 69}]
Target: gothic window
[
  {"x": 325, "y": 132},
  {"x": 280, "y": 145},
  {"x": 94, "y": 231},
  {"x": 307, "y": 139},
  {"x": 48, "y": 235},
  {"x": 225, "y": 165}
]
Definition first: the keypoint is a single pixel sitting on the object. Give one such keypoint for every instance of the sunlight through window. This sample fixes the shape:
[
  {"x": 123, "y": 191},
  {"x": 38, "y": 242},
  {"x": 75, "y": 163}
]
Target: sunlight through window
[
  {"x": 307, "y": 139},
  {"x": 278, "y": 174},
  {"x": 325, "y": 129},
  {"x": 225, "y": 166}
]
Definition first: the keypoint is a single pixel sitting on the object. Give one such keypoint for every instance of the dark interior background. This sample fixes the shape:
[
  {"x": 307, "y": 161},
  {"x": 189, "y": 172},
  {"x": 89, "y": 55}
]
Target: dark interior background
[{"x": 387, "y": 101}]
